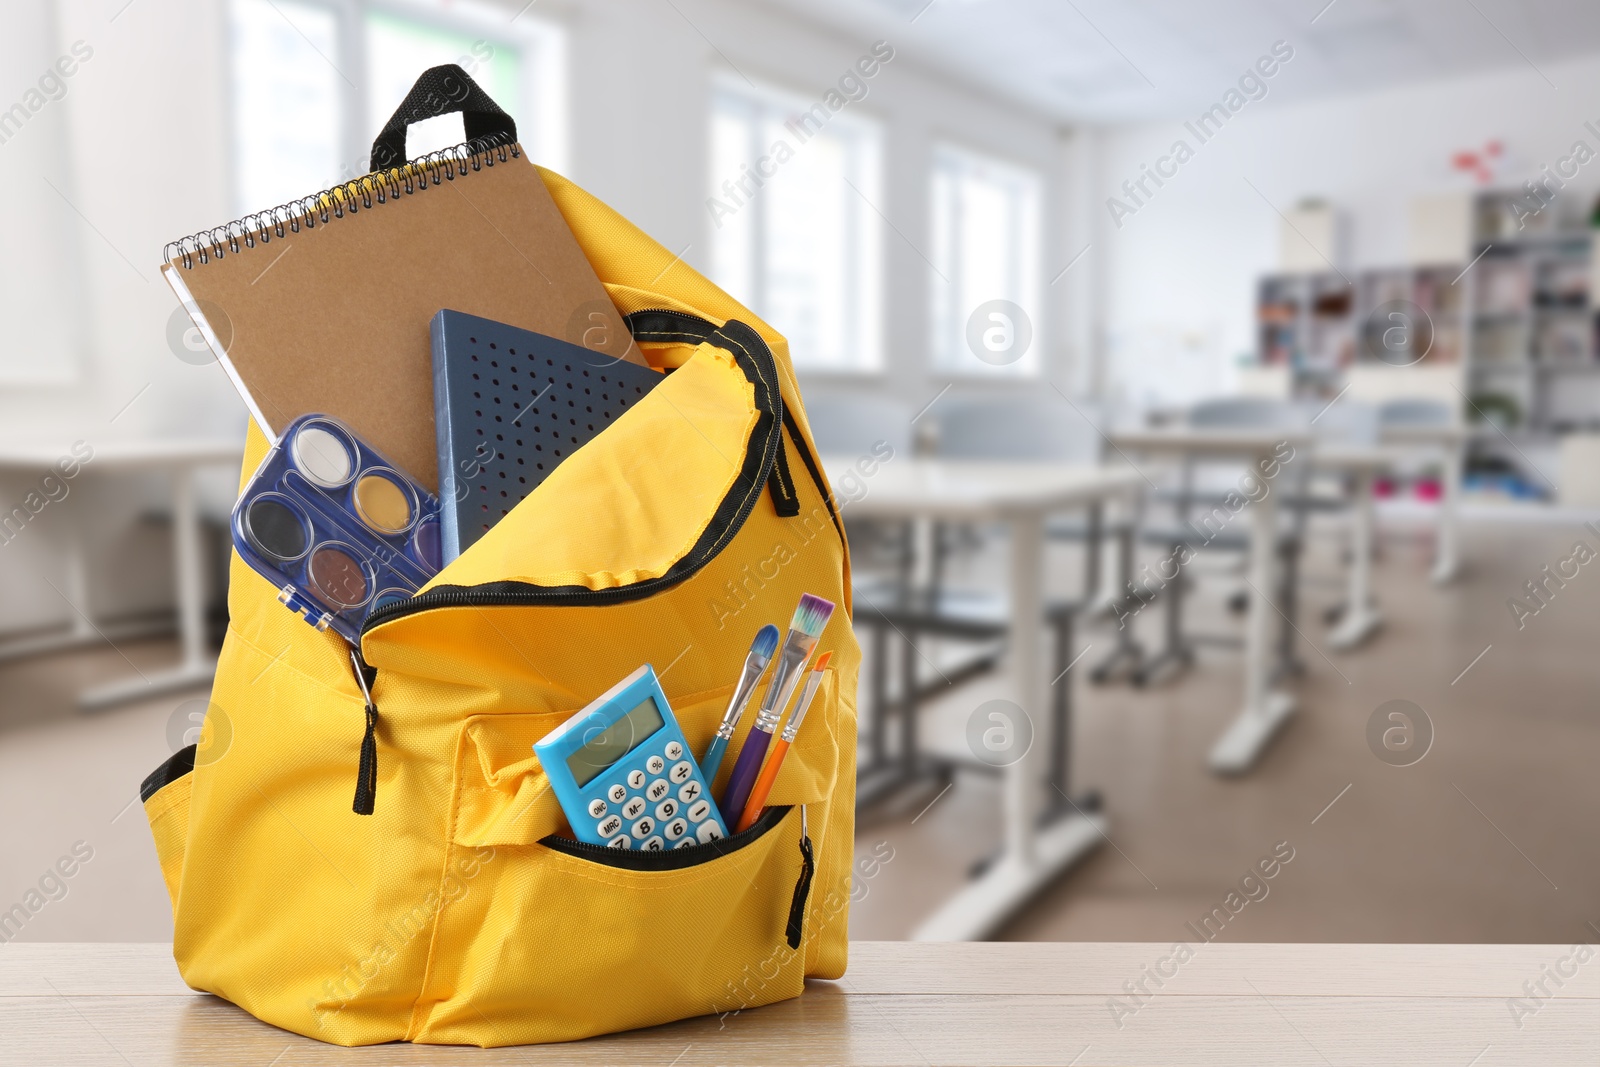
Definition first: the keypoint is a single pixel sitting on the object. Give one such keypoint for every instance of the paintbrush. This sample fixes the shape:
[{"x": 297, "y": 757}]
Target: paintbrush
[
  {"x": 755, "y": 664},
  {"x": 780, "y": 747},
  {"x": 810, "y": 617}
]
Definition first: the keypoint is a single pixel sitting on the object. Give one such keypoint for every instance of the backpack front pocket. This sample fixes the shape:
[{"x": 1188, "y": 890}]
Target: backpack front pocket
[{"x": 549, "y": 939}]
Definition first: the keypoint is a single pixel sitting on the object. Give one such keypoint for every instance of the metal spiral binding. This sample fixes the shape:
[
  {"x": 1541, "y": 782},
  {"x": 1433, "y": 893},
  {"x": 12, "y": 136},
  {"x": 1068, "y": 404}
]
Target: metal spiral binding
[{"x": 360, "y": 194}]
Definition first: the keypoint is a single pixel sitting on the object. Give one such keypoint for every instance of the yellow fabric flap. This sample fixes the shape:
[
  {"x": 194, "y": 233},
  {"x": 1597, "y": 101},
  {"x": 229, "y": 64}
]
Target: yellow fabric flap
[
  {"x": 809, "y": 770},
  {"x": 505, "y": 796},
  {"x": 626, "y": 507}
]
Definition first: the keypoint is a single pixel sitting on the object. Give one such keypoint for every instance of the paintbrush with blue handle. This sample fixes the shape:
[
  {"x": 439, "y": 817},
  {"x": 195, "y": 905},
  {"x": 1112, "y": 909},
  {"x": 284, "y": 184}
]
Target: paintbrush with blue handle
[{"x": 755, "y": 664}]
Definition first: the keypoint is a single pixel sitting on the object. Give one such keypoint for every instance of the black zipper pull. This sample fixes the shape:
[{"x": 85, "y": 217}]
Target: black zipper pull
[
  {"x": 367, "y": 772},
  {"x": 802, "y": 888}
]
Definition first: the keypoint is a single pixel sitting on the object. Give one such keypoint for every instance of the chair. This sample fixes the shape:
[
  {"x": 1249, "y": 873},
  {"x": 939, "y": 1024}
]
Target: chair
[
  {"x": 881, "y": 552},
  {"x": 1030, "y": 430},
  {"x": 856, "y": 425},
  {"x": 1233, "y": 413},
  {"x": 1017, "y": 429},
  {"x": 1247, "y": 413},
  {"x": 852, "y": 424},
  {"x": 1348, "y": 421},
  {"x": 972, "y": 430},
  {"x": 1394, "y": 417},
  {"x": 1412, "y": 411},
  {"x": 1027, "y": 429}
]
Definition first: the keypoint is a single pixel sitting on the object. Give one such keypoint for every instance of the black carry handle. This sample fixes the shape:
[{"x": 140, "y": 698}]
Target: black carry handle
[{"x": 442, "y": 91}]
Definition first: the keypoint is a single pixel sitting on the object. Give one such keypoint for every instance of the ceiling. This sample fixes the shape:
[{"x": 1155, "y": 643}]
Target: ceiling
[{"x": 1116, "y": 61}]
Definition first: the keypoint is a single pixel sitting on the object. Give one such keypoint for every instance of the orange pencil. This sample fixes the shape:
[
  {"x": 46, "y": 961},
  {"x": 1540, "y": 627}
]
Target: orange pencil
[{"x": 769, "y": 772}]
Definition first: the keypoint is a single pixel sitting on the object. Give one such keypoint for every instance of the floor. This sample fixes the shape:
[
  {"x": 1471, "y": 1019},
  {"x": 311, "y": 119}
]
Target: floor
[
  {"x": 71, "y": 779},
  {"x": 1488, "y": 838}
]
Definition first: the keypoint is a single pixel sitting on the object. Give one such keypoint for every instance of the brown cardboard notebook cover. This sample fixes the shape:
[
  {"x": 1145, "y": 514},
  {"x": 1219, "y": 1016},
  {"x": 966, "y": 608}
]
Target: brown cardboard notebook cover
[{"x": 334, "y": 318}]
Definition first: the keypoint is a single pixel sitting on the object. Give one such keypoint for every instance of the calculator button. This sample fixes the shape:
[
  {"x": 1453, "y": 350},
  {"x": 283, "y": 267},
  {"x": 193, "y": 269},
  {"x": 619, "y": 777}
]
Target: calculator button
[
  {"x": 709, "y": 831},
  {"x": 653, "y": 844},
  {"x": 657, "y": 790},
  {"x": 620, "y": 841},
  {"x": 609, "y": 825},
  {"x": 654, "y": 764},
  {"x": 699, "y": 810},
  {"x": 597, "y": 807},
  {"x": 676, "y": 829},
  {"x": 682, "y": 770},
  {"x": 618, "y": 793},
  {"x": 686, "y": 842},
  {"x": 666, "y": 809},
  {"x": 636, "y": 779},
  {"x": 643, "y": 827},
  {"x": 689, "y": 792},
  {"x": 633, "y": 808},
  {"x": 674, "y": 750}
]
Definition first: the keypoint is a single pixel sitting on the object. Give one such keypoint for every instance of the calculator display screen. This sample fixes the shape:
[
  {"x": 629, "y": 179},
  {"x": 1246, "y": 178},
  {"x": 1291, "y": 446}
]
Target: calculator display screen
[{"x": 615, "y": 741}]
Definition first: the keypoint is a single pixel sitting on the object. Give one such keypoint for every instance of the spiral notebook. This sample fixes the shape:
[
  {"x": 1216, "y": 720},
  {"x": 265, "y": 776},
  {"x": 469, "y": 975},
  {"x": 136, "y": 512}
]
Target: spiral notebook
[
  {"x": 323, "y": 305},
  {"x": 511, "y": 406}
]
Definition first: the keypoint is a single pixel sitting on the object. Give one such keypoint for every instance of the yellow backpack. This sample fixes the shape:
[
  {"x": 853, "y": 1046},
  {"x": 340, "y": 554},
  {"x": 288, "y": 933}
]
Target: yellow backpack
[{"x": 446, "y": 916}]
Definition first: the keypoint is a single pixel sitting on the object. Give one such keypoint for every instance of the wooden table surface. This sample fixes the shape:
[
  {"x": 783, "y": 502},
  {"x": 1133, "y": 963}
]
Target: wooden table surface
[{"x": 916, "y": 1004}]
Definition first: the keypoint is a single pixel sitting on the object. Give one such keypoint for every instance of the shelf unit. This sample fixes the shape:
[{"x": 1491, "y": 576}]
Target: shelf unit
[
  {"x": 1535, "y": 368},
  {"x": 1517, "y": 316},
  {"x": 1534, "y": 354},
  {"x": 1319, "y": 325}
]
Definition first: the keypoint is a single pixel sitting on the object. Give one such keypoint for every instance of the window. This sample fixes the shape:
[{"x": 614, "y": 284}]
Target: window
[
  {"x": 522, "y": 71},
  {"x": 793, "y": 232},
  {"x": 305, "y": 114},
  {"x": 285, "y": 100},
  {"x": 986, "y": 247}
]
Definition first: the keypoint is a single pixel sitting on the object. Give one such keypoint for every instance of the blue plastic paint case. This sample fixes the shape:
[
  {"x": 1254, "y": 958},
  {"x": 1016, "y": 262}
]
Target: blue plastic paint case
[{"x": 335, "y": 526}]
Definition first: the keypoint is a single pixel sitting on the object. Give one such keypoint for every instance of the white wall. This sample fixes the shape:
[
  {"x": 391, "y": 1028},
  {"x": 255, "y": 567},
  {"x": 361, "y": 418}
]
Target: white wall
[
  {"x": 132, "y": 147},
  {"x": 641, "y": 79},
  {"x": 140, "y": 144},
  {"x": 1182, "y": 270}
]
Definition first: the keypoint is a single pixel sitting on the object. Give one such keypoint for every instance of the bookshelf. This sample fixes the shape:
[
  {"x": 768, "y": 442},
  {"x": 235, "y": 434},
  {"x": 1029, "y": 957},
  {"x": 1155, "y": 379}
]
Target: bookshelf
[
  {"x": 1534, "y": 366},
  {"x": 1319, "y": 325},
  {"x": 1516, "y": 318}
]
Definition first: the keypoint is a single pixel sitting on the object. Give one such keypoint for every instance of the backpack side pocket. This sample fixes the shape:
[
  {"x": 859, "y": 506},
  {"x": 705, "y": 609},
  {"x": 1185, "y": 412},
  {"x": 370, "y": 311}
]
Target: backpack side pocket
[{"x": 165, "y": 794}]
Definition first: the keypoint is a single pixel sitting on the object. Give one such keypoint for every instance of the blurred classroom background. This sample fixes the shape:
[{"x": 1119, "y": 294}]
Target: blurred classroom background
[{"x": 1213, "y": 392}]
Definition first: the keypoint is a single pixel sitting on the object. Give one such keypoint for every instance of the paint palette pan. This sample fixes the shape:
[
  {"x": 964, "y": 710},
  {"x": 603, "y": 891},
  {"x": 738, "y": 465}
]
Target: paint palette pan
[{"x": 335, "y": 526}]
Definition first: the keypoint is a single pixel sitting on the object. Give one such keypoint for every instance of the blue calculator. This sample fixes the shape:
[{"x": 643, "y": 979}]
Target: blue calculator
[{"x": 624, "y": 773}]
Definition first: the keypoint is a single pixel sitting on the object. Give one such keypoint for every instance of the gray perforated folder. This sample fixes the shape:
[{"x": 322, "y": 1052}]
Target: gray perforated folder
[{"x": 509, "y": 406}]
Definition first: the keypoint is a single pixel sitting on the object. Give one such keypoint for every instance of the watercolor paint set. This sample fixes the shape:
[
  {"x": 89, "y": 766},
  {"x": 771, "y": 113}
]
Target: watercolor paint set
[{"x": 335, "y": 526}]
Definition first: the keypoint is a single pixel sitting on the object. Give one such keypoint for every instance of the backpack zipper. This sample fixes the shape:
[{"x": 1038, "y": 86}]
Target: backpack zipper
[
  {"x": 802, "y": 887},
  {"x": 671, "y": 859},
  {"x": 367, "y": 770}
]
